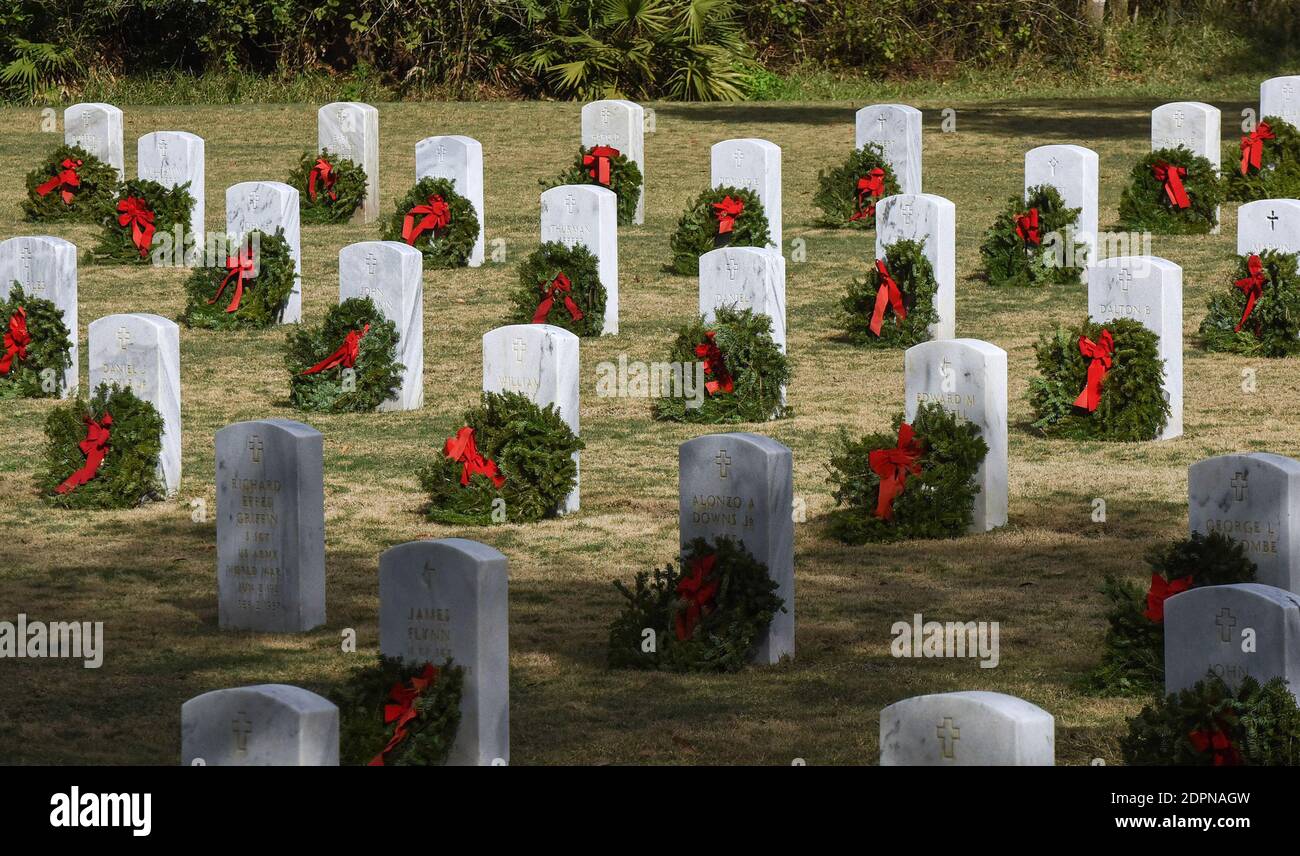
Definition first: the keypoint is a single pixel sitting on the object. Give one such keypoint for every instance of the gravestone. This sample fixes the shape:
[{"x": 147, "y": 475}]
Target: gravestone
[
  {"x": 1255, "y": 499},
  {"x": 541, "y": 362},
  {"x": 1233, "y": 631},
  {"x": 755, "y": 165},
  {"x": 173, "y": 158},
  {"x": 966, "y": 729},
  {"x": 587, "y": 215},
  {"x": 449, "y": 599},
  {"x": 933, "y": 220},
  {"x": 969, "y": 378},
  {"x": 46, "y": 267},
  {"x": 270, "y": 526},
  {"x": 745, "y": 278},
  {"x": 97, "y": 128},
  {"x": 1193, "y": 125},
  {"x": 1268, "y": 224},
  {"x": 1147, "y": 289},
  {"x": 391, "y": 274},
  {"x": 460, "y": 160},
  {"x": 267, "y": 206},
  {"x": 268, "y": 725},
  {"x": 896, "y": 128},
  {"x": 350, "y": 130},
  {"x": 1073, "y": 171},
  {"x": 742, "y": 486},
  {"x": 621, "y": 125},
  {"x": 143, "y": 351},
  {"x": 1280, "y": 96}
]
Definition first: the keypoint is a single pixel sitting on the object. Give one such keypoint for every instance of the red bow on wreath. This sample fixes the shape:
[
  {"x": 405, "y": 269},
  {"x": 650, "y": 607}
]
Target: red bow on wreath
[
  {"x": 893, "y": 466},
  {"x": 560, "y": 286},
  {"x": 1027, "y": 228},
  {"x": 1216, "y": 740},
  {"x": 888, "y": 294},
  {"x": 1100, "y": 353},
  {"x": 697, "y": 595},
  {"x": 714, "y": 365},
  {"x": 238, "y": 267},
  {"x": 597, "y": 162},
  {"x": 345, "y": 356},
  {"x": 462, "y": 450},
  {"x": 1160, "y": 591},
  {"x": 66, "y": 178},
  {"x": 16, "y": 340},
  {"x": 1253, "y": 286},
  {"x": 727, "y": 211},
  {"x": 404, "y": 710},
  {"x": 1252, "y": 147},
  {"x": 324, "y": 171},
  {"x": 94, "y": 447},
  {"x": 870, "y": 188},
  {"x": 437, "y": 214},
  {"x": 134, "y": 212},
  {"x": 1172, "y": 176}
]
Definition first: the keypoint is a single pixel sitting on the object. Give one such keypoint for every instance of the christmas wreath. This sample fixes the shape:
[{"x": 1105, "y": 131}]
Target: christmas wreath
[
  {"x": 250, "y": 291},
  {"x": 330, "y": 188},
  {"x": 1099, "y": 382},
  {"x": 102, "y": 453},
  {"x": 1261, "y": 313},
  {"x": 395, "y": 714},
  {"x": 917, "y": 481},
  {"x": 511, "y": 461},
  {"x": 1265, "y": 164},
  {"x": 609, "y": 168},
  {"x": 560, "y": 285},
  {"x": 744, "y": 371},
  {"x": 143, "y": 209},
  {"x": 719, "y": 217},
  {"x": 1133, "y": 662},
  {"x": 37, "y": 346},
  {"x": 900, "y": 285},
  {"x": 437, "y": 221},
  {"x": 847, "y": 195},
  {"x": 1026, "y": 244},
  {"x": 72, "y": 184},
  {"x": 1211, "y": 725},
  {"x": 707, "y": 615},
  {"x": 1172, "y": 192},
  {"x": 346, "y": 365}
]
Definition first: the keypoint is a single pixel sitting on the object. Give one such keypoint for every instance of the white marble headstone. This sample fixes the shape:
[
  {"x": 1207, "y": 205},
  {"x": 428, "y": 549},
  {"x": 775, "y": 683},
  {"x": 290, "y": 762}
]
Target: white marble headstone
[
  {"x": 391, "y": 273},
  {"x": 896, "y": 128},
  {"x": 1193, "y": 125},
  {"x": 460, "y": 160},
  {"x": 745, "y": 278},
  {"x": 933, "y": 219},
  {"x": 1073, "y": 171},
  {"x": 1268, "y": 224},
  {"x": 173, "y": 158},
  {"x": 751, "y": 164},
  {"x": 966, "y": 729},
  {"x": 46, "y": 267},
  {"x": 621, "y": 125},
  {"x": 267, "y": 206},
  {"x": 1280, "y": 96},
  {"x": 97, "y": 128},
  {"x": 268, "y": 725},
  {"x": 350, "y": 130},
  {"x": 587, "y": 215}
]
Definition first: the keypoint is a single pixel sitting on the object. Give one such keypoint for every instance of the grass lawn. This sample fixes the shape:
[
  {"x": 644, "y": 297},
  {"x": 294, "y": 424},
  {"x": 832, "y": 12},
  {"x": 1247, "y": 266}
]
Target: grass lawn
[{"x": 150, "y": 574}]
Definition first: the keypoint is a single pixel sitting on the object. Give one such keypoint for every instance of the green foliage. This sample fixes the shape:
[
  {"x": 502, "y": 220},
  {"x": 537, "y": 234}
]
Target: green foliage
[
  {"x": 1009, "y": 260},
  {"x": 531, "y": 446},
  {"x": 624, "y": 180},
  {"x": 539, "y": 270},
  {"x": 443, "y": 248},
  {"x": 373, "y": 380},
  {"x": 50, "y": 347},
  {"x": 725, "y": 637},
  {"x": 906, "y": 262},
  {"x": 837, "y": 190},
  {"x": 332, "y": 205},
  {"x": 94, "y": 196},
  {"x": 1132, "y": 406},
  {"x": 1279, "y": 174},
  {"x": 170, "y": 207},
  {"x": 1144, "y": 205},
  {"x": 758, "y": 369},
  {"x": 34, "y": 67},
  {"x": 697, "y": 230},
  {"x": 937, "y": 503},
  {"x": 1273, "y": 329},
  {"x": 265, "y": 295},
  {"x": 363, "y": 734},
  {"x": 128, "y": 475}
]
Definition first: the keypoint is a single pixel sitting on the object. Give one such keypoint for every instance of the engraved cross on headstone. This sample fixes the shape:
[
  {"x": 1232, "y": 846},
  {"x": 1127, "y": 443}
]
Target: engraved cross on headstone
[
  {"x": 908, "y": 213},
  {"x": 737, "y": 158},
  {"x": 372, "y": 264},
  {"x": 241, "y": 728},
  {"x": 1239, "y": 485},
  {"x": 949, "y": 735},
  {"x": 519, "y": 347},
  {"x": 1125, "y": 278},
  {"x": 255, "y": 446},
  {"x": 1272, "y": 221},
  {"x": 123, "y": 338},
  {"x": 570, "y": 204},
  {"x": 732, "y": 267},
  {"x": 1225, "y": 622},
  {"x": 723, "y": 460}
]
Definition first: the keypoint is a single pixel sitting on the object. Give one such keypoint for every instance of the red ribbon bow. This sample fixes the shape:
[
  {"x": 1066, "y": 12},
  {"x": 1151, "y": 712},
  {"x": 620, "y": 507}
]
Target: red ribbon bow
[
  {"x": 870, "y": 188},
  {"x": 727, "y": 211},
  {"x": 238, "y": 267},
  {"x": 404, "y": 710},
  {"x": 558, "y": 286},
  {"x": 66, "y": 178},
  {"x": 134, "y": 212},
  {"x": 94, "y": 447},
  {"x": 1100, "y": 353},
  {"x": 893, "y": 466},
  {"x": 1160, "y": 591},
  {"x": 697, "y": 594},
  {"x": 598, "y": 161},
  {"x": 1216, "y": 740},
  {"x": 1172, "y": 176},
  {"x": 1027, "y": 228},
  {"x": 437, "y": 214},
  {"x": 463, "y": 450},
  {"x": 16, "y": 340},
  {"x": 888, "y": 294},
  {"x": 714, "y": 365},
  {"x": 1252, "y": 146},
  {"x": 346, "y": 355},
  {"x": 1253, "y": 286},
  {"x": 323, "y": 170}
]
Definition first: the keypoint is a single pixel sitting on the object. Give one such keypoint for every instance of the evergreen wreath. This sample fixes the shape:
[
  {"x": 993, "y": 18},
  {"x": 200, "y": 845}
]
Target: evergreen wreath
[
  {"x": 330, "y": 188},
  {"x": 708, "y": 615},
  {"x": 917, "y": 481},
  {"x": 102, "y": 453},
  {"x": 71, "y": 184},
  {"x": 909, "y": 282},
  {"x": 1129, "y": 405},
  {"x": 1274, "y": 174},
  {"x": 437, "y": 221},
  {"x": 1025, "y": 245},
  {"x": 1172, "y": 192},
  {"x": 143, "y": 210},
  {"x": 719, "y": 217},
  {"x": 1211, "y": 725},
  {"x": 35, "y": 340},
  {"x": 555, "y": 283},
  {"x": 248, "y": 292},
  {"x": 744, "y": 370},
  {"x": 396, "y": 714},
  {"x": 509, "y": 449},
  {"x": 607, "y": 167},
  {"x": 354, "y": 336},
  {"x": 1133, "y": 659},
  {"x": 847, "y": 195},
  {"x": 1267, "y": 284}
]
